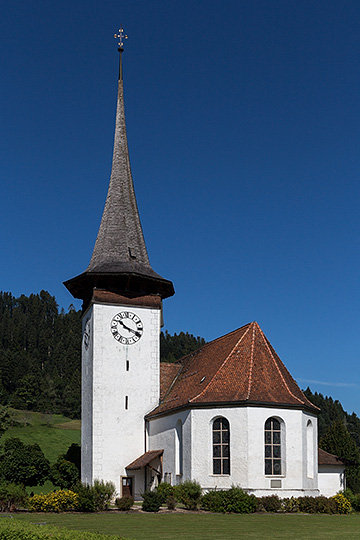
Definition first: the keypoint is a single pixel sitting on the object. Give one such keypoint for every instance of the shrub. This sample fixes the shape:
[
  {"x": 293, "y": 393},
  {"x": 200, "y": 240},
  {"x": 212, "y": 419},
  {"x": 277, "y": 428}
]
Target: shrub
[
  {"x": 57, "y": 501},
  {"x": 213, "y": 501},
  {"x": 152, "y": 501},
  {"x": 165, "y": 490},
  {"x": 189, "y": 493},
  {"x": 11, "y": 496},
  {"x": 104, "y": 492},
  {"x": 290, "y": 504},
  {"x": 227, "y": 501},
  {"x": 124, "y": 503},
  {"x": 355, "y": 502},
  {"x": 270, "y": 503},
  {"x": 317, "y": 505},
  {"x": 343, "y": 504},
  {"x": 307, "y": 505},
  {"x": 323, "y": 505},
  {"x": 13, "y": 529},
  {"x": 354, "y": 499},
  {"x": 86, "y": 499},
  {"x": 238, "y": 501},
  {"x": 171, "y": 502}
]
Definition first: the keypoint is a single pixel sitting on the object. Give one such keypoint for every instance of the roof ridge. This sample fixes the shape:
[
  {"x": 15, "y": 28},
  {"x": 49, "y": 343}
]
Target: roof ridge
[
  {"x": 193, "y": 353},
  {"x": 251, "y": 359},
  {"x": 177, "y": 375},
  {"x": 277, "y": 367},
  {"x": 224, "y": 362}
]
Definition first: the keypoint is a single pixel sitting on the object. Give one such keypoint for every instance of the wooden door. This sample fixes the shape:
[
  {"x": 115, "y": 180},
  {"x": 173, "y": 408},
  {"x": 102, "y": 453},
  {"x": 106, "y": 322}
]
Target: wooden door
[{"x": 127, "y": 486}]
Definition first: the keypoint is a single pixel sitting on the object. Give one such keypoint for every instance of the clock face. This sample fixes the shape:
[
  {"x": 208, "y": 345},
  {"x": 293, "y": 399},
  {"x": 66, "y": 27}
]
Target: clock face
[
  {"x": 126, "y": 327},
  {"x": 87, "y": 333}
]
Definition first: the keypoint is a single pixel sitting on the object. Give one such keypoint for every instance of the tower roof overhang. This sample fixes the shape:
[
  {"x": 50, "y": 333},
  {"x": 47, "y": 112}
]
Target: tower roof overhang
[{"x": 129, "y": 283}]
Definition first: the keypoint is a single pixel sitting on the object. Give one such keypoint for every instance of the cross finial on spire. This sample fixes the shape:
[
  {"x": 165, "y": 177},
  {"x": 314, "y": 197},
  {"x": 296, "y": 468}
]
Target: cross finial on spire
[{"x": 121, "y": 36}]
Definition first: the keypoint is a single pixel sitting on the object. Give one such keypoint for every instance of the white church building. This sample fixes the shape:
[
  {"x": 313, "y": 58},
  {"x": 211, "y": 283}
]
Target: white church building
[{"x": 227, "y": 414}]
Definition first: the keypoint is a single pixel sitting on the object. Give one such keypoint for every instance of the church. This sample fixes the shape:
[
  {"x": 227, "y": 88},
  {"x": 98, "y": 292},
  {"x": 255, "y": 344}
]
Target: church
[{"x": 227, "y": 414}]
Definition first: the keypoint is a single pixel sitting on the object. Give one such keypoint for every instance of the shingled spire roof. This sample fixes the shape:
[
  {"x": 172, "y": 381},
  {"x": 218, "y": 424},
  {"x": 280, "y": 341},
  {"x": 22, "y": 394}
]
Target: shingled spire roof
[
  {"x": 240, "y": 368},
  {"x": 120, "y": 262}
]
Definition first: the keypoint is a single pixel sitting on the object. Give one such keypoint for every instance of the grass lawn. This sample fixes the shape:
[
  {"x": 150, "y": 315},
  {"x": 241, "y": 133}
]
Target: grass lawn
[{"x": 209, "y": 526}]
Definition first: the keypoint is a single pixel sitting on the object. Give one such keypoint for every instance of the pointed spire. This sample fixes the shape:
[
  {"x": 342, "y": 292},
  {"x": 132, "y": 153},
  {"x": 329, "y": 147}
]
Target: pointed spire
[{"x": 120, "y": 262}]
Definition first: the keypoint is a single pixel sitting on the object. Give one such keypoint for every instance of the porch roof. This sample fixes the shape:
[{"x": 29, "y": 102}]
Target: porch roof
[{"x": 144, "y": 460}]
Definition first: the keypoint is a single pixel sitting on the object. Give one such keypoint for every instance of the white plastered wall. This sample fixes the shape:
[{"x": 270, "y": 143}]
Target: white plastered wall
[
  {"x": 246, "y": 449},
  {"x": 162, "y": 435},
  {"x": 112, "y": 435},
  {"x": 331, "y": 479}
]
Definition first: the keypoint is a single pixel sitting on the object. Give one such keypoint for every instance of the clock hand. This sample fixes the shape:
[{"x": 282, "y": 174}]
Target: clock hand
[{"x": 130, "y": 329}]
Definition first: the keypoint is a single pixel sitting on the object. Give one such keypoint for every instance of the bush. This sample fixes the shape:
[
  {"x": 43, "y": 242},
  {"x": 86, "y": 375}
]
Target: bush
[
  {"x": 57, "y": 501},
  {"x": 86, "y": 499},
  {"x": 290, "y": 504},
  {"x": 307, "y": 505},
  {"x": 104, "y": 492},
  {"x": 171, "y": 502},
  {"x": 317, "y": 505},
  {"x": 165, "y": 490},
  {"x": 355, "y": 503},
  {"x": 95, "y": 498},
  {"x": 152, "y": 501},
  {"x": 323, "y": 505},
  {"x": 11, "y": 496},
  {"x": 270, "y": 503},
  {"x": 189, "y": 493},
  {"x": 354, "y": 499},
  {"x": 13, "y": 529},
  {"x": 227, "y": 501},
  {"x": 343, "y": 504},
  {"x": 213, "y": 501},
  {"x": 124, "y": 503}
]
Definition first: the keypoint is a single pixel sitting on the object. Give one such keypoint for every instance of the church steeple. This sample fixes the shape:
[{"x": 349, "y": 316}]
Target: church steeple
[{"x": 120, "y": 262}]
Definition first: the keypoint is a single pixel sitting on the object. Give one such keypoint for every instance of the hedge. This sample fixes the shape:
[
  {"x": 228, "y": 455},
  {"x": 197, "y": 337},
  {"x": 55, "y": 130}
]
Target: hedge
[{"x": 10, "y": 529}]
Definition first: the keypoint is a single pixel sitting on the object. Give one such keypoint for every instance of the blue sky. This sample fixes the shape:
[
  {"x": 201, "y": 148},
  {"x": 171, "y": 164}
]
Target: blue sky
[{"x": 243, "y": 122}]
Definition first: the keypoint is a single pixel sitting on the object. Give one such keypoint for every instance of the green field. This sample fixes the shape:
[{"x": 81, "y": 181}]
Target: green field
[
  {"x": 209, "y": 526},
  {"x": 54, "y": 433}
]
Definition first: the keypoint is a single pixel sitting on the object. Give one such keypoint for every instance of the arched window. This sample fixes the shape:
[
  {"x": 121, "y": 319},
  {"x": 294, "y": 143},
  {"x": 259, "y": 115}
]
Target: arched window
[
  {"x": 273, "y": 453},
  {"x": 221, "y": 446}
]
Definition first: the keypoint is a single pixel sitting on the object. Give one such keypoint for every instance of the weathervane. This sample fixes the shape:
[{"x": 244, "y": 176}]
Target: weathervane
[{"x": 120, "y": 36}]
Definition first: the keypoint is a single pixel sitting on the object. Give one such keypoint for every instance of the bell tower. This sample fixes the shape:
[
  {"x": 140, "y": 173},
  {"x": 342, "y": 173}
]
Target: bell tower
[{"x": 122, "y": 313}]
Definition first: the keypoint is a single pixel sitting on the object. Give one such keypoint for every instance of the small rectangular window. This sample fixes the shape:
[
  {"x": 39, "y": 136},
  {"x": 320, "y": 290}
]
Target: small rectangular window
[
  {"x": 127, "y": 365},
  {"x": 126, "y": 402}
]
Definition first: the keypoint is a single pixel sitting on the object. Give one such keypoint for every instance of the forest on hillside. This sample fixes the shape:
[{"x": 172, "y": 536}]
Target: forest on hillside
[
  {"x": 40, "y": 367},
  {"x": 40, "y": 354}
]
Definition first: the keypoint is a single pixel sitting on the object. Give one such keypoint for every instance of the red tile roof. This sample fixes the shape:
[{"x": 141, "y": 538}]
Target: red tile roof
[
  {"x": 241, "y": 367},
  {"x": 167, "y": 375},
  {"x": 324, "y": 458},
  {"x": 144, "y": 460}
]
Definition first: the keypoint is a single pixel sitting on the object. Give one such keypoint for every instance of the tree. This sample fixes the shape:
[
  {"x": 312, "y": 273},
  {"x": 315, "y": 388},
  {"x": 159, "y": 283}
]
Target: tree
[
  {"x": 73, "y": 455},
  {"x": 4, "y": 419},
  {"x": 23, "y": 463},
  {"x": 64, "y": 473},
  {"x": 40, "y": 354},
  {"x": 172, "y": 348},
  {"x": 339, "y": 442}
]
